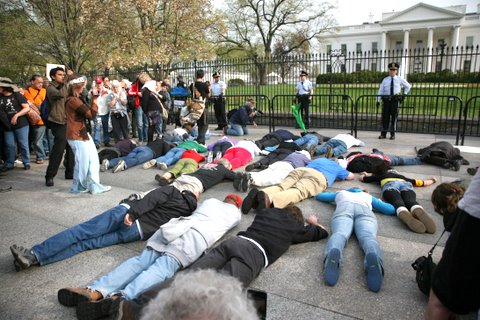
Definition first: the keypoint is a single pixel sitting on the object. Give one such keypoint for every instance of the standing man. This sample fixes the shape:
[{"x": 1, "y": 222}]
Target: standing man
[
  {"x": 57, "y": 122},
  {"x": 304, "y": 97},
  {"x": 201, "y": 90},
  {"x": 218, "y": 91},
  {"x": 390, "y": 92},
  {"x": 103, "y": 115},
  {"x": 35, "y": 94}
]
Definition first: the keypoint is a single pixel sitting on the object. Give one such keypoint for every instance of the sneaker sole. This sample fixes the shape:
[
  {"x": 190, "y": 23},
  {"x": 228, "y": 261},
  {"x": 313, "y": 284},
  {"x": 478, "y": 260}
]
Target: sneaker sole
[
  {"x": 70, "y": 299},
  {"x": 426, "y": 219},
  {"x": 331, "y": 272},
  {"x": 374, "y": 273},
  {"x": 149, "y": 164},
  {"x": 21, "y": 261},
  {"x": 249, "y": 201}
]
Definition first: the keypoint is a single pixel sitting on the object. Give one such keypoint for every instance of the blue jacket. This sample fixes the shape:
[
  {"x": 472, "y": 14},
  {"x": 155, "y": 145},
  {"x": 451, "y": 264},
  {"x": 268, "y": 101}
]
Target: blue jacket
[{"x": 241, "y": 117}]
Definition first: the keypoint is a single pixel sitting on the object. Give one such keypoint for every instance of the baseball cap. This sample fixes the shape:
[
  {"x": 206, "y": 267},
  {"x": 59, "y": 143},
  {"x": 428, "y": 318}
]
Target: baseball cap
[
  {"x": 98, "y": 80},
  {"x": 236, "y": 198}
]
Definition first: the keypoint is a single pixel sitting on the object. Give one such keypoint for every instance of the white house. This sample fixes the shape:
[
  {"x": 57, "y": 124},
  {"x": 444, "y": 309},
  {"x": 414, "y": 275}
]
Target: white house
[{"x": 421, "y": 26}]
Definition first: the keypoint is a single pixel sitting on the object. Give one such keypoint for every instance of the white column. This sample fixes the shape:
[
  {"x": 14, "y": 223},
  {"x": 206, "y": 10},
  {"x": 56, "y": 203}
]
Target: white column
[
  {"x": 383, "y": 47},
  {"x": 456, "y": 32},
  {"x": 430, "y": 49},
  {"x": 404, "y": 67}
]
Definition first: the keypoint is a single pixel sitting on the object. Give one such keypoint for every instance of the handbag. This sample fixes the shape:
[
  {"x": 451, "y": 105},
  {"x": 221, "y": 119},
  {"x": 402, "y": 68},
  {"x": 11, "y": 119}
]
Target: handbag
[
  {"x": 33, "y": 114},
  {"x": 164, "y": 110},
  {"x": 424, "y": 267}
]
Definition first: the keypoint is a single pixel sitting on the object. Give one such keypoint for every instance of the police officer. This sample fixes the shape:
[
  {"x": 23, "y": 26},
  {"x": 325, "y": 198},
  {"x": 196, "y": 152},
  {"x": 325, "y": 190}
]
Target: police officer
[
  {"x": 390, "y": 92},
  {"x": 218, "y": 91}
]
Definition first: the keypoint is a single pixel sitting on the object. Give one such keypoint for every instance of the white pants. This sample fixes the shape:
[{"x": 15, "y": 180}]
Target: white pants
[{"x": 274, "y": 174}]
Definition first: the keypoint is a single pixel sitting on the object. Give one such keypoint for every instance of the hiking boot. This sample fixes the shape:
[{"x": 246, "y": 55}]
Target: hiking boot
[
  {"x": 71, "y": 297},
  {"x": 120, "y": 166},
  {"x": 24, "y": 257},
  {"x": 263, "y": 201},
  {"x": 250, "y": 201},
  {"x": 237, "y": 181},
  {"x": 312, "y": 150},
  {"x": 162, "y": 166},
  {"x": 124, "y": 309},
  {"x": 104, "y": 165},
  {"x": 329, "y": 152},
  {"x": 412, "y": 223},
  {"x": 161, "y": 180},
  {"x": 149, "y": 164},
  {"x": 331, "y": 267},
  {"x": 419, "y": 213},
  {"x": 374, "y": 272},
  {"x": 246, "y": 181},
  {"x": 91, "y": 310}
]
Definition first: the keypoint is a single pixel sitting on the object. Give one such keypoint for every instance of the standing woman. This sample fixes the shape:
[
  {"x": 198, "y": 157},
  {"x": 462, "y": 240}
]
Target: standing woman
[
  {"x": 86, "y": 176},
  {"x": 117, "y": 102},
  {"x": 391, "y": 94},
  {"x": 151, "y": 107},
  {"x": 15, "y": 107}
]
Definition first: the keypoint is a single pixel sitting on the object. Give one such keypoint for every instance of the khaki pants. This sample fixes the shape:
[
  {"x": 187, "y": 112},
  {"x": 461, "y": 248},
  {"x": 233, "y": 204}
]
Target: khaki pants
[{"x": 301, "y": 183}]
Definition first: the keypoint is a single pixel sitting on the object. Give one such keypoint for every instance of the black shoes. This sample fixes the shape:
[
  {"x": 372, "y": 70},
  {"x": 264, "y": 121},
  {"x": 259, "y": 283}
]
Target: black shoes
[
  {"x": 70, "y": 297},
  {"x": 250, "y": 201},
  {"x": 392, "y": 137},
  {"x": 24, "y": 258},
  {"x": 161, "y": 180},
  {"x": 237, "y": 181},
  {"x": 27, "y": 167},
  {"x": 382, "y": 137},
  {"x": 49, "y": 182},
  {"x": 245, "y": 181},
  {"x": 472, "y": 171},
  {"x": 91, "y": 310}
]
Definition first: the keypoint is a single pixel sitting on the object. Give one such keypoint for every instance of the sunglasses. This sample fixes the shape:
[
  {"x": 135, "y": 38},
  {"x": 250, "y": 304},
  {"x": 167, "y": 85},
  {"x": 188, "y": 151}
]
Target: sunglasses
[{"x": 393, "y": 69}]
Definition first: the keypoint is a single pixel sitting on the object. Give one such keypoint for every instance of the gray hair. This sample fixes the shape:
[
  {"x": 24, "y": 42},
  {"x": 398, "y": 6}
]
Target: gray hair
[{"x": 202, "y": 294}]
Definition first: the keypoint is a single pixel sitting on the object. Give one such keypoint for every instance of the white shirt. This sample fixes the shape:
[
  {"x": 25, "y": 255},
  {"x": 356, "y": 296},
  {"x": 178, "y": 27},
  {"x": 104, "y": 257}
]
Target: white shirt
[
  {"x": 470, "y": 202},
  {"x": 304, "y": 87},
  {"x": 349, "y": 140},
  {"x": 398, "y": 84},
  {"x": 218, "y": 88}
]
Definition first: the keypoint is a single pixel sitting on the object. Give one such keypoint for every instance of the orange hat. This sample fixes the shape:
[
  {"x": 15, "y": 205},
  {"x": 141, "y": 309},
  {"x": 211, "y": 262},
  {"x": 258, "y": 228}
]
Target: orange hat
[{"x": 236, "y": 198}]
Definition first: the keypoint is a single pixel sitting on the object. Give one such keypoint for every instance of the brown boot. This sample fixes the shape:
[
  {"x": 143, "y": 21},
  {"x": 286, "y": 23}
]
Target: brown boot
[
  {"x": 420, "y": 213},
  {"x": 70, "y": 297},
  {"x": 414, "y": 224}
]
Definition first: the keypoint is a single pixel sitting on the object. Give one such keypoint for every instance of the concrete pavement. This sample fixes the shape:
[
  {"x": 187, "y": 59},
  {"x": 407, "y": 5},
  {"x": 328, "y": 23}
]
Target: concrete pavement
[{"x": 31, "y": 212}]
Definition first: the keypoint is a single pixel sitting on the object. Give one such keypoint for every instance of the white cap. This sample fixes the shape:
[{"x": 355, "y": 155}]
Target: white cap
[{"x": 343, "y": 163}]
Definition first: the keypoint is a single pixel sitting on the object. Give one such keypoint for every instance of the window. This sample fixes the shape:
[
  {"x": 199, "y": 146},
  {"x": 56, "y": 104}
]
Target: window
[
  {"x": 358, "y": 67},
  {"x": 329, "y": 48},
  {"x": 359, "y": 48},
  {"x": 374, "y": 66},
  {"x": 469, "y": 42},
  {"x": 344, "y": 48},
  {"x": 440, "y": 43},
  {"x": 374, "y": 47},
  {"x": 419, "y": 44},
  {"x": 467, "y": 65},
  {"x": 399, "y": 45}
]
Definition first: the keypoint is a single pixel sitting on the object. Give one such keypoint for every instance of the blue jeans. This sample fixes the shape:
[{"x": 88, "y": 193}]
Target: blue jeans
[
  {"x": 401, "y": 161},
  {"x": 308, "y": 140},
  {"x": 104, "y": 128},
  {"x": 349, "y": 217},
  {"x": 87, "y": 167},
  {"x": 19, "y": 136},
  {"x": 172, "y": 156},
  {"x": 339, "y": 147},
  {"x": 138, "y": 156},
  {"x": 398, "y": 185},
  {"x": 237, "y": 130},
  {"x": 137, "y": 274},
  {"x": 39, "y": 132},
  {"x": 142, "y": 124},
  {"x": 101, "y": 231}
]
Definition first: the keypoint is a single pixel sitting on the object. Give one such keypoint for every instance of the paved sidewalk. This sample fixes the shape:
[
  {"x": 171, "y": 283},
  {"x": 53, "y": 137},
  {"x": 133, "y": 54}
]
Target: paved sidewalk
[{"x": 32, "y": 212}]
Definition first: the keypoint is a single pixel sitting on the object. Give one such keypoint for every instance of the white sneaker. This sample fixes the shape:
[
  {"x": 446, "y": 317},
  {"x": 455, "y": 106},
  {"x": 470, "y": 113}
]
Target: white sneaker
[
  {"x": 162, "y": 166},
  {"x": 120, "y": 166},
  {"x": 102, "y": 190},
  {"x": 104, "y": 165},
  {"x": 149, "y": 164}
]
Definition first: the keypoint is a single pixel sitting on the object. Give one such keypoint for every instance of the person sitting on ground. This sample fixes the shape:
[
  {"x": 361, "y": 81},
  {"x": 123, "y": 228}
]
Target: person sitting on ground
[
  {"x": 177, "y": 153},
  {"x": 241, "y": 154},
  {"x": 310, "y": 140},
  {"x": 131, "y": 220},
  {"x": 359, "y": 162},
  {"x": 174, "y": 246},
  {"x": 280, "y": 153},
  {"x": 354, "y": 213},
  {"x": 300, "y": 184},
  {"x": 274, "y": 138},
  {"x": 139, "y": 155},
  {"x": 244, "y": 256},
  {"x": 202, "y": 179},
  {"x": 445, "y": 200},
  {"x": 456, "y": 280},
  {"x": 442, "y": 154},
  {"x": 398, "y": 191},
  {"x": 275, "y": 172},
  {"x": 244, "y": 116},
  {"x": 338, "y": 145}
]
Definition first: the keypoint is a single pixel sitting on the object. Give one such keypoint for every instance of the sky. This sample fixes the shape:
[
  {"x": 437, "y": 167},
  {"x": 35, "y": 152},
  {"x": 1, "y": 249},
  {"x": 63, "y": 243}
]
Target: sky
[{"x": 352, "y": 12}]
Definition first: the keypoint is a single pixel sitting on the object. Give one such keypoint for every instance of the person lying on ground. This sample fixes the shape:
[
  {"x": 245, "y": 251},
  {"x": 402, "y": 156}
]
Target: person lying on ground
[
  {"x": 338, "y": 145},
  {"x": 177, "y": 153},
  {"x": 283, "y": 150},
  {"x": 360, "y": 162}
]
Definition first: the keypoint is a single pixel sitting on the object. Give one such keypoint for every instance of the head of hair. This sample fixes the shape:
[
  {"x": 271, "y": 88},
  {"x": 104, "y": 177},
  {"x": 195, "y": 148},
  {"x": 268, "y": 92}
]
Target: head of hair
[
  {"x": 53, "y": 71},
  {"x": 202, "y": 294},
  {"x": 295, "y": 211},
  {"x": 445, "y": 197},
  {"x": 200, "y": 73},
  {"x": 381, "y": 168},
  {"x": 35, "y": 76},
  {"x": 224, "y": 162},
  {"x": 144, "y": 77}
]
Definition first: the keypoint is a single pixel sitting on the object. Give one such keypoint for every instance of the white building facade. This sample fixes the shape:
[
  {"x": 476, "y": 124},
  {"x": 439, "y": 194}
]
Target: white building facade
[{"x": 421, "y": 27}]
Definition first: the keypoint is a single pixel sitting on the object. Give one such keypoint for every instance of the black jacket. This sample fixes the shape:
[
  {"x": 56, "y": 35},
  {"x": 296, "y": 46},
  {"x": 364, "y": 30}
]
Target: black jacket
[
  {"x": 212, "y": 176},
  {"x": 276, "y": 229},
  {"x": 159, "y": 206}
]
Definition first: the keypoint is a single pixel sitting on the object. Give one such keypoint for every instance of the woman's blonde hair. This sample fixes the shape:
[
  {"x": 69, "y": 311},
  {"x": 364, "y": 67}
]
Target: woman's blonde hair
[{"x": 144, "y": 77}]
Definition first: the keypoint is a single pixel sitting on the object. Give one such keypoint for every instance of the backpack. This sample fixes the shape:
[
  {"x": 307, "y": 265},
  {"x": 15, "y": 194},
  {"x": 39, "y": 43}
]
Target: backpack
[
  {"x": 230, "y": 113},
  {"x": 45, "y": 110}
]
